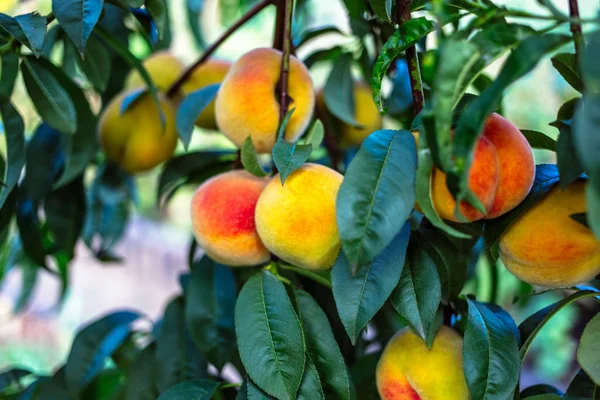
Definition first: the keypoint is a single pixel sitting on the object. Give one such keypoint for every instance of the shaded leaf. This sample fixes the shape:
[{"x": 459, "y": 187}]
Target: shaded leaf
[
  {"x": 78, "y": 19},
  {"x": 10, "y": 70},
  {"x": 28, "y": 29},
  {"x": 141, "y": 384},
  {"x": 310, "y": 387},
  {"x": 382, "y": 8},
  {"x": 96, "y": 63},
  {"x": 250, "y": 159},
  {"x": 194, "y": 11},
  {"x": 588, "y": 351},
  {"x": 14, "y": 131},
  {"x": 199, "y": 389},
  {"x": 311, "y": 33},
  {"x": 566, "y": 65},
  {"x": 338, "y": 92},
  {"x": 539, "y": 140},
  {"x": 189, "y": 110},
  {"x": 582, "y": 388}
]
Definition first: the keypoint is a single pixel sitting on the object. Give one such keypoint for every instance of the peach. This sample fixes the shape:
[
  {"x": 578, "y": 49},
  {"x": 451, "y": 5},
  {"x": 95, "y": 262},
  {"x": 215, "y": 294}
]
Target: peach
[
  {"x": 209, "y": 73},
  {"x": 134, "y": 139},
  {"x": 501, "y": 174},
  {"x": 366, "y": 115},
  {"x": 297, "y": 221},
  {"x": 248, "y": 101},
  {"x": 164, "y": 69},
  {"x": 546, "y": 247},
  {"x": 408, "y": 370},
  {"x": 223, "y": 218}
]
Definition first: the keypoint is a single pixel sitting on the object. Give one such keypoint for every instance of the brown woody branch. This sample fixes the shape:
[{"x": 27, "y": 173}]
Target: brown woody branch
[
  {"x": 576, "y": 30},
  {"x": 403, "y": 15}
]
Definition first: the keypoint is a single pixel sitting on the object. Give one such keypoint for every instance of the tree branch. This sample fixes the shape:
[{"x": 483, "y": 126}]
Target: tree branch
[
  {"x": 245, "y": 18},
  {"x": 403, "y": 15},
  {"x": 576, "y": 30},
  {"x": 287, "y": 6}
]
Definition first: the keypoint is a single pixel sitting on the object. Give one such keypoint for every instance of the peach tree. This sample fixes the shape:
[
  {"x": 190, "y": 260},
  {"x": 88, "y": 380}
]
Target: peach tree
[{"x": 330, "y": 258}]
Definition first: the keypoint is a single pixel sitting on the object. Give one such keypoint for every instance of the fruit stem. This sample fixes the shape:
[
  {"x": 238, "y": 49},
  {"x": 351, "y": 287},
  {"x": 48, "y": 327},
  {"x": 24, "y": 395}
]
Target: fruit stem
[
  {"x": 576, "y": 31},
  {"x": 288, "y": 7},
  {"x": 402, "y": 16},
  {"x": 174, "y": 89}
]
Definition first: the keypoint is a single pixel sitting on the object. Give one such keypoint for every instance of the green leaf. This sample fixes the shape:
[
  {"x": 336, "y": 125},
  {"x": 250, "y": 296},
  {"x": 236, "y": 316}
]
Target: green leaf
[
  {"x": 534, "y": 323},
  {"x": 540, "y": 389},
  {"x": 50, "y": 99},
  {"x": 310, "y": 387},
  {"x": 490, "y": 354},
  {"x": 93, "y": 345},
  {"x": 549, "y": 396},
  {"x": 521, "y": 61},
  {"x": 158, "y": 11},
  {"x": 407, "y": 35},
  {"x": 322, "y": 348},
  {"x": 29, "y": 276},
  {"x": 382, "y": 8},
  {"x": 355, "y": 8},
  {"x": 566, "y": 65},
  {"x": 316, "y": 135},
  {"x": 287, "y": 156},
  {"x": 199, "y": 389},
  {"x": 14, "y": 130},
  {"x": 359, "y": 297},
  {"x": 10, "y": 70},
  {"x": 312, "y": 33},
  {"x": 194, "y": 12},
  {"x": 377, "y": 195},
  {"x": 28, "y": 29},
  {"x": 580, "y": 218},
  {"x": 569, "y": 166},
  {"x": 140, "y": 384},
  {"x": 418, "y": 294},
  {"x": 108, "y": 385},
  {"x": 96, "y": 63},
  {"x": 332, "y": 53},
  {"x": 177, "y": 358},
  {"x": 78, "y": 19},
  {"x": 588, "y": 351},
  {"x": 209, "y": 310},
  {"x": 539, "y": 140},
  {"x": 338, "y": 92},
  {"x": 269, "y": 336},
  {"x": 582, "y": 388},
  {"x": 190, "y": 109},
  {"x": 250, "y": 159},
  {"x": 12, "y": 377}
]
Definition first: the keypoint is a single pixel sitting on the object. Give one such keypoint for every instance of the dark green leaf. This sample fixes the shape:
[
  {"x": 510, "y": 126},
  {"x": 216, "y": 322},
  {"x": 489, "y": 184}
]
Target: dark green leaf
[
  {"x": 588, "y": 352},
  {"x": 356, "y": 8},
  {"x": 189, "y": 110},
  {"x": 580, "y": 218},
  {"x": 582, "y": 388},
  {"x": 548, "y": 396},
  {"x": 199, "y": 389},
  {"x": 407, "y": 35},
  {"x": 539, "y": 140},
  {"x": 250, "y": 159},
  {"x": 12, "y": 377},
  {"x": 338, "y": 92},
  {"x": 93, "y": 344},
  {"x": 418, "y": 294},
  {"x": 29, "y": 275},
  {"x": 569, "y": 165},
  {"x": 323, "y": 55},
  {"x": 141, "y": 383},
  {"x": 534, "y": 323},
  {"x": 158, "y": 11},
  {"x": 490, "y": 354},
  {"x": 28, "y": 29},
  {"x": 106, "y": 386},
  {"x": 359, "y": 297},
  {"x": 382, "y": 8},
  {"x": 312, "y": 33},
  {"x": 377, "y": 195},
  {"x": 14, "y": 131},
  {"x": 287, "y": 156},
  {"x": 78, "y": 19},
  {"x": 209, "y": 310},
  {"x": 322, "y": 348},
  {"x": 566, "y": 65},
  {"x": 50, "y": 99},
  {"x": 540, "y": 389},
  {"x": 96, "y": 63},
  {"x": 194, "y": 12},
  {"x": 10, "y": 70},
  {"x": 310, "y": 387},
  {"x": 269, "y": 336}
]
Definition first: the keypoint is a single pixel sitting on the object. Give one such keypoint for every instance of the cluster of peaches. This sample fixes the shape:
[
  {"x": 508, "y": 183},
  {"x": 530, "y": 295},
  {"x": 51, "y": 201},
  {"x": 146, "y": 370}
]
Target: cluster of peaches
[{"x": 242, "y": 220}]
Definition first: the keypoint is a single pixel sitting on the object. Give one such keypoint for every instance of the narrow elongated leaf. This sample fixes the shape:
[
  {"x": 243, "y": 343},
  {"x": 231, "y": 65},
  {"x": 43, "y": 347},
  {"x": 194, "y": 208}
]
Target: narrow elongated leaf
[
  {"x": 539, "y": 140},
  {"x": 140, "y": 384},
  {"x": 78, "y": 19},
  {"x": 50, "y": 99},
  {"x": 194, "y": 11},
  {"x": 10, "y": 71},
  {"x": 377, "y": 194},
  {"x": 566, "y": 65},
  {"x": 310, "y": 387},
  {"x": 250, "y": 159},
  {"x": 209, "y": 310},
  {"x": 490, "y": 354},
  {"x": 407, "y": 35},
  {"x": 28, "y": 29},
  {"x": 359, "y": 297},
  {"x": 269, "y": 336},
  {"x": 322, "y": 348},
  {"x": 339, "y": 91},
  {"x": 96, "y": 63},
  {"x": 588, "y": 352},
  {"x": 316, "y": 135},
  {"x": 569, "y": 166},
  {"x": 382, "y": 8},
  {"x": 190, "y": 108},
  {"x": 199, "y": 389},
  {"x": 418, "y": 294},
  {"x": 93, "y": 344},
  {"x": 14, "y": 129}
]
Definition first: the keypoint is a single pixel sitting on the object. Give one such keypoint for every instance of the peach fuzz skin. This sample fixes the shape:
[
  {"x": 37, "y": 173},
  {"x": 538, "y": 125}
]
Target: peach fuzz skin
[
  {"x": 223, "y": 218},
  {"x": 209, "y": 73},
  {"x": 548, "y": 248},
  {"x": 248, "y": 104},
  {"x": 297, "y": 221},
  {"x": 134, "y": 140},
  {"x": 501, "y": 174},
  {"x": 408, "y": 370},
  {"x": 164, "y": 69}
]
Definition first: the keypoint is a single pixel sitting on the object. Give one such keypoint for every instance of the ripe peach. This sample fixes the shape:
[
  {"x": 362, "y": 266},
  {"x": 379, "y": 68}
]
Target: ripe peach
[
  {"x": 501, "y": 174},
  {"x": 164, "y": 69},
  {"x": 408, "y": 370},
  {"x": 366, "y": 115},
  {"x": 209, "y": 73},
  {"x": 248, "y": 102},
  {"x": 223, "y": 218},
  {"x": 134, "y": 140},
  {"x": 297, "y": 221},
  {"x": 548, "y": 248}
]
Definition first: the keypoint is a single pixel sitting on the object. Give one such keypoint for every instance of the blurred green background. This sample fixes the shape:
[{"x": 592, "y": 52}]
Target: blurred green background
[{"x": 155, "y": 245}]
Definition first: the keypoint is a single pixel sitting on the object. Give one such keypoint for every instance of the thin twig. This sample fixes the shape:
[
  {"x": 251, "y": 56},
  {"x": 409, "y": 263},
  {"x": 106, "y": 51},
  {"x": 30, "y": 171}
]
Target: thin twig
[
  {"x": 209, "y": 51},
  {"x": 288, "y": 6},
  {"x": 576, "y": 31},
  {"x": 403, "y": 15}
]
